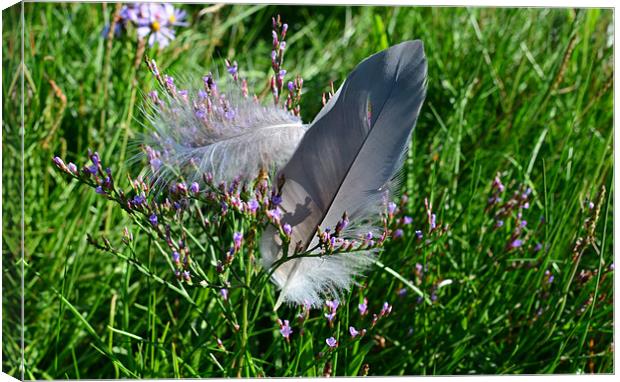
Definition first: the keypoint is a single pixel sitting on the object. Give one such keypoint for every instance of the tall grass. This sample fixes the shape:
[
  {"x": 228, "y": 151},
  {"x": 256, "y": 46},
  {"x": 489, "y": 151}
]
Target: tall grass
[{"x": 523, "y": 93}]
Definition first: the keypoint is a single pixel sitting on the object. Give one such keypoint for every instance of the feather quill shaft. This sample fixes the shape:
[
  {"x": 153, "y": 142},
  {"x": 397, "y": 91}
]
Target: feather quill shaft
[{"x": 345, "y": 163}]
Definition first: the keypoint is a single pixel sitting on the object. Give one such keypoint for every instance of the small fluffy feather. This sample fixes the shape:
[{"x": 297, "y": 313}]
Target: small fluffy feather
[{"x": 189, "y": 143}]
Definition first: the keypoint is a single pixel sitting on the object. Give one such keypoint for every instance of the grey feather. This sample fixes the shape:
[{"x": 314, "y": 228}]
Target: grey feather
[{"x": 344, "y": 163}]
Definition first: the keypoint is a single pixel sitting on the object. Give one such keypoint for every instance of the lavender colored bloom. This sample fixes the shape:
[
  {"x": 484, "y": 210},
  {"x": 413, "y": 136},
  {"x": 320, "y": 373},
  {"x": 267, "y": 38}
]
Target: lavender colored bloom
[
  {"x": 363, "y": 307},
  {"x": 391, "y": 208},
  {"x": 287, "y": 229},
  {"x": 397, "y": 234},
  {"x": 224, "y": 293},
  {"x": 237, "y": 238},
  {"x": 407, "y": 220},
  {"x": 591, "y": 205},
  {"x": 186, "y": 276},
  {"x": 331, "y": 342},
  {"x": 281, "y": 74},
  {"x": 72, "y": 168},
  {"x": 194, "y": 187},
  {"x": 276, "y": 200},
  {"x": 286, "y": 330},
  {"x": 499, "y": 223},
  {"x": 232, "y": 69},
  {"x": 176, "y": 257},
  {"x": 99, "y": 190},
  {"x": 332, "y": 304},
  {"x": 538, "y": 247},
  {"x": 153, "y": 220},
  {"x": 368, "y": 236},
  {"x": 282, "y": 45},
  {"x": 402, "y": 292},
  {"x": 354, "y": 333},
  {"x": 253, "y": 205},
  {"x": 516, "y": 243},
  {"x": 330, "y": 316},
  {"x": 523, "y": 223},
  {"x": 386, "y": 309},
  {"x": 418, "y": 234},
  {"x": 433, "y": 221},
  {"x": 419, "y": 268},
  {"x": 274, "y": 214},
  {"x": 155, "y": 163},
  {"x": 291, "y": 86}
]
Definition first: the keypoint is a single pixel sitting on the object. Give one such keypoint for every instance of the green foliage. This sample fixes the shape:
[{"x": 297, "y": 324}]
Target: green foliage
[{"x": 526, "y": 93}]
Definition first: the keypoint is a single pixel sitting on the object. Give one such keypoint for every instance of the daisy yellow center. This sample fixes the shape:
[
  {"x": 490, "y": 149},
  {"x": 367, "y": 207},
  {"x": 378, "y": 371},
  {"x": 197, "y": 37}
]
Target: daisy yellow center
[
  {"x": 155, "y": 26},
  {"x": 172, "y": 19}
]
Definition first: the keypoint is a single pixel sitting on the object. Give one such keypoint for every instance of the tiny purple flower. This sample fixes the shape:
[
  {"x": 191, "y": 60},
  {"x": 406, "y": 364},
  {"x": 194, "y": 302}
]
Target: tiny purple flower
[
  {"x": 331, "y": 342},
  {"x": 499, "y": 223},
  {"x": 224, "y": 293},
  {"x": 516, "y": 243},
  {"x": 274, "y": 214},
  {"x": 286, "y": 330},
  {"x": 176, "y": 257},
  {"x": 72, "y": 168},
  {"x": 538, "y": 247},
  {"x": 287, "y": 229},
  {"x": 391, "y": 208},
  {"x": 237, "y": 238},
  {"x": 253, "y": 205},
  {"x": 291, "y": 86},
  {"x": 276, "y": 200},
  {"x": 397, "y": 234},
  {"x": 153, "y": 219},
  {"x": 407, "y": 220},
  {"x": 354, "y": 333},
  {"x": 418, "y": 234},
  {"x": 363, "y": 307},
  {"x": 99, "y": 190},
  {"x": 194, "y": 187},
  {"x": 523, "y": 223},
  {"x": 433, "y": 219}
]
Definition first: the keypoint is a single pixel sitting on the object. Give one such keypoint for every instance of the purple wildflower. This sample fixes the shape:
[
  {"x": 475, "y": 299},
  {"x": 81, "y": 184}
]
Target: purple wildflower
[
  {"x": 224, "y": 293},
  {"x": 331, "y": 342},
  {"x": 237, "y": 238},
  {"x": 287, "y": 229},
  {"x": 274, "y": 215},
  {"x": 276, "y": 200},
  {"x": 391, "y": 208},
  {"x": 397, "y": 234},
  {"x": 72, "y": 168},
  {"x": 286, "y": 330},
  {"x": 363, "y": 307},
  {"x": 253, "y": 205},
  {"x": 153, "y": 219},
  {"x": 538, "y": 247},
  {"x": 433, "y": 221},
  {"x": 516, "y": 243},
  {"x": 499, "y": 223},
  {"x": 354, "y": 333},
  {"x": 407, "y": 220},
  {"x": 194, "y": 187},
  {"x": 418, "y": 234},
  {"x": 387, "y": 308},
  {"x": 176, "y": 257}
]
